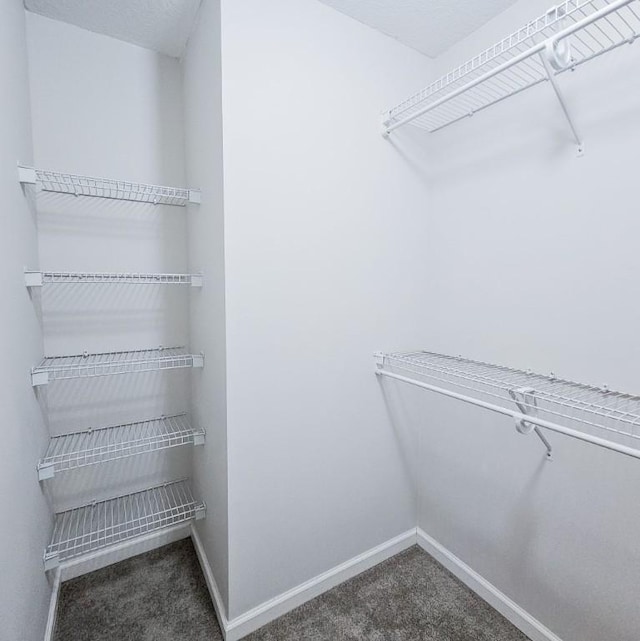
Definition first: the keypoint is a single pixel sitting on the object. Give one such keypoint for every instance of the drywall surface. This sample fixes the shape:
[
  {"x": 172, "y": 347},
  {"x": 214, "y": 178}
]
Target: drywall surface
[
  {"x": 534, "y": 261},
  {"x": 103, "y": 107},
  {"x": 325, "y": 235},
  {"x": 27, "y": 520},
  {"x": 430, "y": 26},
  {"x": 203, "y": 155}
]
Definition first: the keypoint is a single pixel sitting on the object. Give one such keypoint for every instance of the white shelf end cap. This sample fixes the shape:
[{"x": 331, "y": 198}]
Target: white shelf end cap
[
  {"x": 27, "y": 174},
  {"x": 33, "y": 279},
  {"x": 46, "y": 471},
  {"x": 39, "y": 378},
  {"x": 198, "y": 360}
]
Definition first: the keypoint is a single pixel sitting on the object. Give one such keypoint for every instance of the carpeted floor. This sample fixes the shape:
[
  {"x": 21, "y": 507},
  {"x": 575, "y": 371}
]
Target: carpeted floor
[
  {"x": 157, "y": 596},
  {"x": 162, "y": 596}
]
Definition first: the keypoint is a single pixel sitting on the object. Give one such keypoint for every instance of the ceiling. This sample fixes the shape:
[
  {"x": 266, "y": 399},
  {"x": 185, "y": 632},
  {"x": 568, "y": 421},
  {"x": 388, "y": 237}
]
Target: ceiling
[
  {"x": 161, "y": 25},
  {"x": 430, "y": 26}
]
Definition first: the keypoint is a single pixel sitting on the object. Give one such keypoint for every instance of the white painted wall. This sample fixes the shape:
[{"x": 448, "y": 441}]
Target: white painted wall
[
  {"x": 24, "y": 592},
  {"x": 324, "y": 225},
  {"x": 203, "y": 156},
  {"x": 533, "y": 262},
  {"x": 108, "y": 108}
]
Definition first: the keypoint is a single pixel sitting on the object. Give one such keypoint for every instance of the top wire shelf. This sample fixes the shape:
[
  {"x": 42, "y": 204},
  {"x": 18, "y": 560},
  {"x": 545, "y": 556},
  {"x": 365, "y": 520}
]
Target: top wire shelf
[
  {"x": 567, "y": 36},
  {"x": 77, "y": 185},
  {"x": 39, "y": 279},
  {"x": 593, "y": 414},
  {"x": 87, "y": 365}
]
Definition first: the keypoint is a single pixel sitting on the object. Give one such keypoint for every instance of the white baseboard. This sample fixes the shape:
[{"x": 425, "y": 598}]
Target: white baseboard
[
  {"x": 236, "y": 629},
  {"x": 496, "y": 599},
  {"x": 53, "y": 606},
  {"x": 214, "y": 591},
  {"x": 121, "y": 551},
  {"x": 269, "y": 610}
]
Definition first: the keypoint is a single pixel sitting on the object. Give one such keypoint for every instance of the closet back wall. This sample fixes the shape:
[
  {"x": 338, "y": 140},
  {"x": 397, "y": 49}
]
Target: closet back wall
[
  {"x": 24, "y": 599},
  {"x": 325, "y": 233},
  {"x": 536, "y": 264},
  {"x": 103, "y": 107}
]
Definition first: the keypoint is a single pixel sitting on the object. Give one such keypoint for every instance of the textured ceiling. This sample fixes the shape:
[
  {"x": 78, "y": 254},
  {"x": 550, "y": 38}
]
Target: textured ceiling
[
  {"x": 430, "y": 26},
  {"x": 161, "y": 25}
]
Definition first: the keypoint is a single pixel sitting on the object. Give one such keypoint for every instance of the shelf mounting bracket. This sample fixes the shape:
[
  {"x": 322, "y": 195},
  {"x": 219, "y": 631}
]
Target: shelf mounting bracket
[
  {"x": 556, "y": 57},
  {"x": 527, "y": 402}
]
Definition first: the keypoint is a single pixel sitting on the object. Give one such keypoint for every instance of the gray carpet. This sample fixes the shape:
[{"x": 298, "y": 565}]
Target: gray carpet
[
  {"x": 162, "y": 596},
  {"x": 157, "y": 596}
]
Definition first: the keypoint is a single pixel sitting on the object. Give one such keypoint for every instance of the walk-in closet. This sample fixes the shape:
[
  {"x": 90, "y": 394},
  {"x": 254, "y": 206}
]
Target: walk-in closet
[{"x": 319, "y": 320}]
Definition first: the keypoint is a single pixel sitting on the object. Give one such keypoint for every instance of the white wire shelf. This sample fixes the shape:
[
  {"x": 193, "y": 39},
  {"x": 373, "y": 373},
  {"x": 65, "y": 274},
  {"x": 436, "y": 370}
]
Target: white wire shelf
[
  {"x": 596, "y": 415},
  {"x": 77, "y": 185},
  {"x": 567, "y": 36},
  {"x": 39, "y": 279},
  {"x": 92, "y": 446},
  {"x": 100, "y": 524},
  {"x": 87, "y": 365}
]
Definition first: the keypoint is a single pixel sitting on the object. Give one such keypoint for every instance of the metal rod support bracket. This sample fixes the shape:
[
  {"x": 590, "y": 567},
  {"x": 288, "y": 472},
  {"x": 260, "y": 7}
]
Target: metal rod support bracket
[
  {"x": 527, "y": 402},
  {"x": 553, "y": 57}
]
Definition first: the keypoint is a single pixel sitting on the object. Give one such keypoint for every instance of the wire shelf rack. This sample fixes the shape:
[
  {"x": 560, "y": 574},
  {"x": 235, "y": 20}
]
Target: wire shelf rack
[
  {"x": 39, "y": 279},
  {"x": 100, "y": 524},
  {"x": 78, "y": 185},
  {"x": 594, "y": 414},
  {"x": 92, "y": 446},
  {"x": 87, "y": 365},
  {"x": 567, "y": 36}
]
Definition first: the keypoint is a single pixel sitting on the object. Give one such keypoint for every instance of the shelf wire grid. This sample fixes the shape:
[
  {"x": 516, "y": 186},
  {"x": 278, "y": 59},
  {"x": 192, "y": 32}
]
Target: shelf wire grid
[
  {"x": 110, "y": 363},
  {"x": 599, "y": 412},
  {"x": 89, "y": 447},
  {"x": 100, "y": 524},
  {"x": 79, "y": 185},
  {"x": 620, "y": 27},
  {"x": 132, "y": 278}
]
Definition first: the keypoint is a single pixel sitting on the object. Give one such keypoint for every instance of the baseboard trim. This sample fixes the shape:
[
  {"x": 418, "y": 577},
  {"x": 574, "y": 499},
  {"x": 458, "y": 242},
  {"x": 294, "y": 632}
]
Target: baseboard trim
[
  {"x": 53, "y": 607},
  {"x": 526, "y": 623},
  {"x": 269, "y": 610},
  {"x": 121, "y": 551},
  {"x": 214, "y": 592}
]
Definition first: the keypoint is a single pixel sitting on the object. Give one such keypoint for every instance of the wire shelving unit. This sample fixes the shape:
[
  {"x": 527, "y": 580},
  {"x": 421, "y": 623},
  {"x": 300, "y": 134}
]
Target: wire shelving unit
[
  {"x": 87, "y": 365},
  {"x": 39, "y": 279},
  {"x": 78, "y": 185},
  {"x": 101, "y": 524},
  {"x": 596, "y": 415},
  {"x": 567, "y": 36},
  {"x": 92, "y": 446}
]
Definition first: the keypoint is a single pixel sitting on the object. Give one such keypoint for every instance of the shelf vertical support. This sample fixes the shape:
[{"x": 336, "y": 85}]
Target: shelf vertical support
[{"x": 556, "y": 87}]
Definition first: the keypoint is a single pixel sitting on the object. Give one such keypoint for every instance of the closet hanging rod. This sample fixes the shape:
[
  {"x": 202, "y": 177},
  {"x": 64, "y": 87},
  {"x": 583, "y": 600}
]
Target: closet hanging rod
[
  {"x": 492, "y": 76},
  {"x": 78, "y": 185},
  {"x": 594, "y": 415},
  {"x": 38, "y": 279},
  {"x": 88, "y": 365}
]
